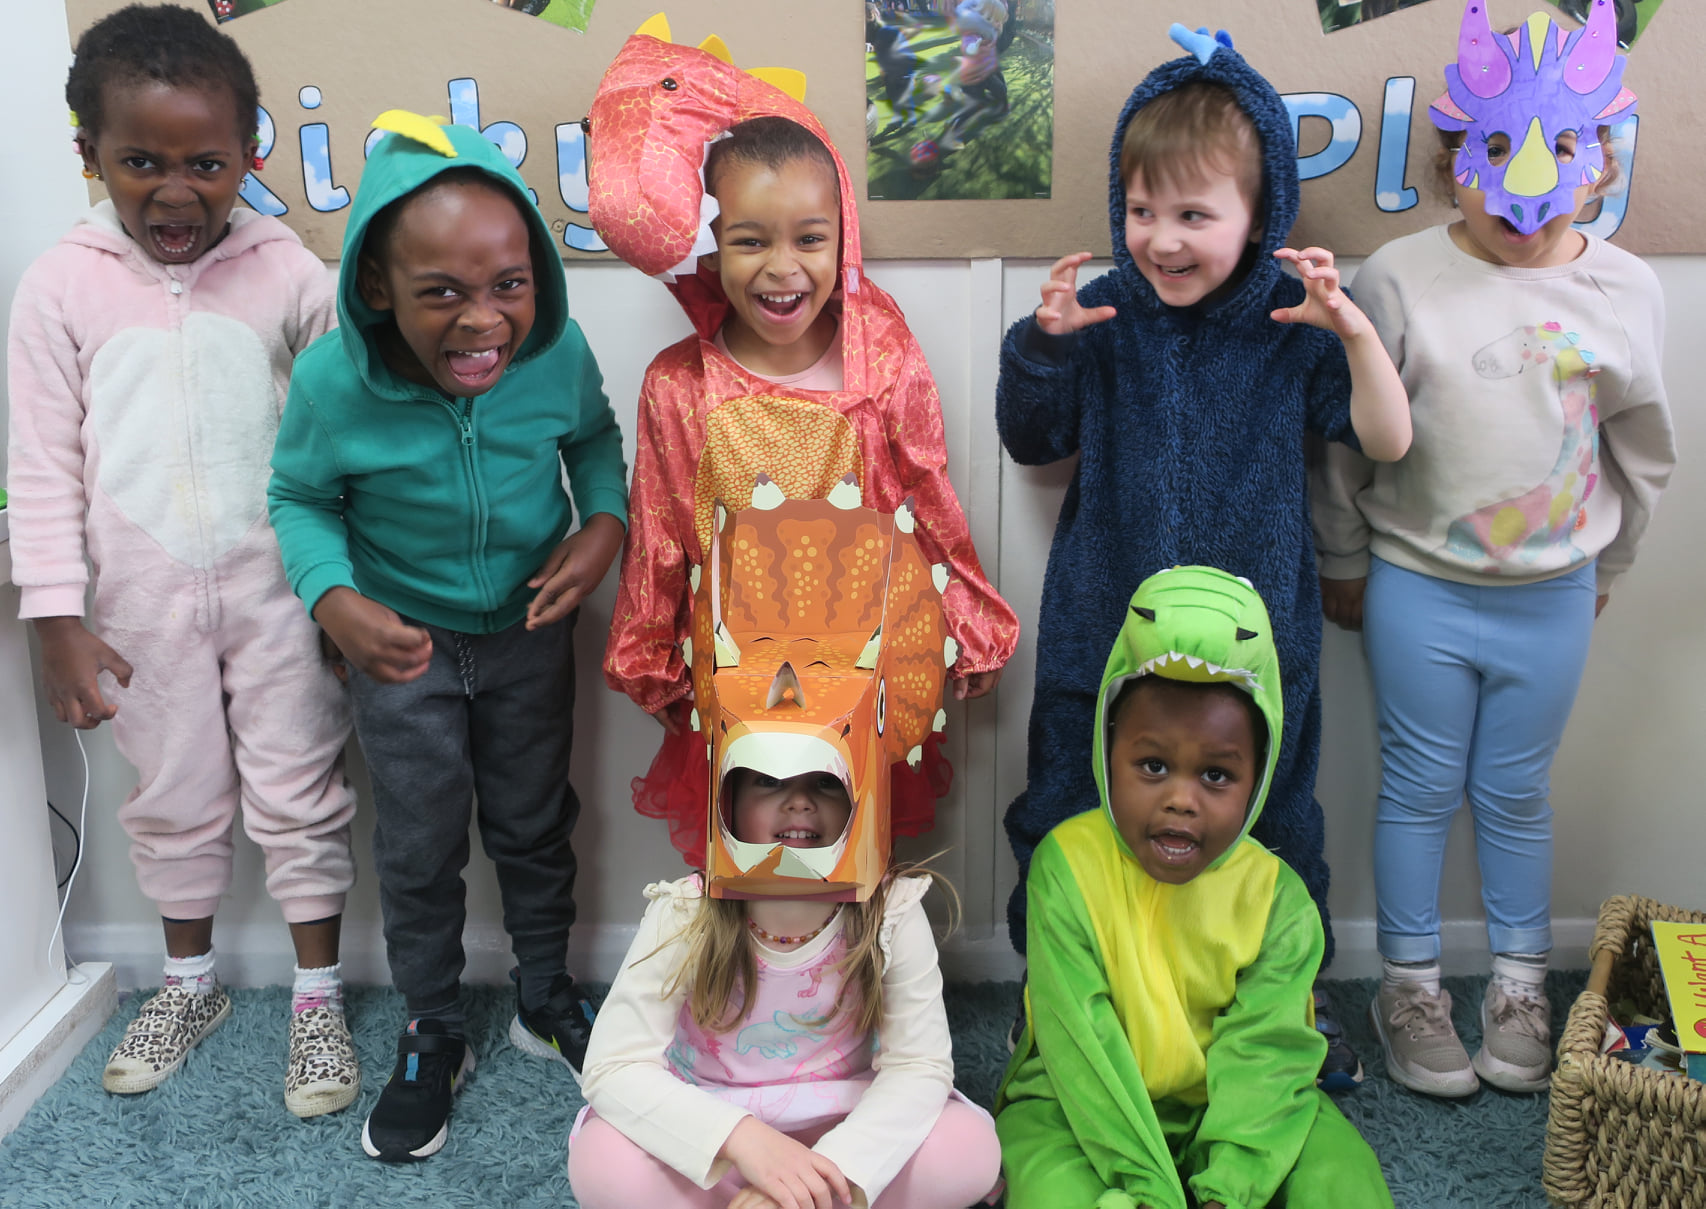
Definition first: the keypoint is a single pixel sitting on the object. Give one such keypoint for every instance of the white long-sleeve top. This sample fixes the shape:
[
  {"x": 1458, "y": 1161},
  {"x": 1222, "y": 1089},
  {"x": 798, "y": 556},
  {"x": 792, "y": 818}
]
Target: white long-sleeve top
[
  {"x": 1543, "y": 437},
  {"x": 630, "y": 1082}
]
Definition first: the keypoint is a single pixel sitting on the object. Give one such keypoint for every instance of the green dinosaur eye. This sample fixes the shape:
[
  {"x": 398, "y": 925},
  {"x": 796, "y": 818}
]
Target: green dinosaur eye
[
  {"x": 1244, "y": 635},
  {"x": 1146, "y": 614}
]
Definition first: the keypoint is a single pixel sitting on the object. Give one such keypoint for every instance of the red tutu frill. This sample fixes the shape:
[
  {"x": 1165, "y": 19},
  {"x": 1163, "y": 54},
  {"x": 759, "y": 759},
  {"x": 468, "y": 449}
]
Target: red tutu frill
[{"x": 678, "y": 785}]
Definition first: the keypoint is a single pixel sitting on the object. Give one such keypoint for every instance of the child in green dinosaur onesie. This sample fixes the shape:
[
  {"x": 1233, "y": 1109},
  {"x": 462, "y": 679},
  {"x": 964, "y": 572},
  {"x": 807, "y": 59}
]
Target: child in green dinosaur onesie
[{"x": 1169, "y": 1057}]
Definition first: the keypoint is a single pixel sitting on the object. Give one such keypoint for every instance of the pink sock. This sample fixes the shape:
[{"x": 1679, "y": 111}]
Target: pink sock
[{"x": 320, "y": 986}]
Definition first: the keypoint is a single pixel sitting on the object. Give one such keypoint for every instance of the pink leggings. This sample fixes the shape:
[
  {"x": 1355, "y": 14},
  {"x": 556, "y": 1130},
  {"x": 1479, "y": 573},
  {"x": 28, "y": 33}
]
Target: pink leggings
[{"x": 957, "y": 1166}]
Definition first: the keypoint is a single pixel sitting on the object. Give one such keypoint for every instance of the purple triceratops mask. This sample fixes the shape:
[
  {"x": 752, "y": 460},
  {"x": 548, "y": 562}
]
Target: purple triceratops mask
[{"x": 1532, "y": 86}]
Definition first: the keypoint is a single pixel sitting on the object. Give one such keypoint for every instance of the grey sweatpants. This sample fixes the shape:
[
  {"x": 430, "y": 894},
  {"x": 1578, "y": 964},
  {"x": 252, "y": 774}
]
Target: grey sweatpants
[{"x": 492, "y": 721}]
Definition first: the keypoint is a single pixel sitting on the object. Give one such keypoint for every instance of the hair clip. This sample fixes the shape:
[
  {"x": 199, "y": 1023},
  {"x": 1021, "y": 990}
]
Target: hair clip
[
  {"x": 75, "y": 121},
  {"x": 260, "y": 162}
]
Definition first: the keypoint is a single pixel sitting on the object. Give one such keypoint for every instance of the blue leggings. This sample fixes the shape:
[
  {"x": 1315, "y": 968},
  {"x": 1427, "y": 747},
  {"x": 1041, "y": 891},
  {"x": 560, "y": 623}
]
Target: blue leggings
[{"x": 1473, "y": 686}]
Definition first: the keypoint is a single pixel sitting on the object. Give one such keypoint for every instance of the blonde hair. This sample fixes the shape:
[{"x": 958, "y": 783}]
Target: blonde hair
[
  {"x": 720, "y": 973},
  {"x": 1173, "y": 139}
]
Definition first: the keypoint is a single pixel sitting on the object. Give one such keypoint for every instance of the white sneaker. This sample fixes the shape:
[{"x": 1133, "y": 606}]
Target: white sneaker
[
  {"x": 1422, "y": 1049},
  {"x": 1516, "y": 1041}
]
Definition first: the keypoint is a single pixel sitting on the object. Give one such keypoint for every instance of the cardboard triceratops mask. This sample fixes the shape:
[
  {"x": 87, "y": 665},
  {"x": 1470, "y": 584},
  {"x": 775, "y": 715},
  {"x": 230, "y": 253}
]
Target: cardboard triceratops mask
[{"x": 817, "y": 646}]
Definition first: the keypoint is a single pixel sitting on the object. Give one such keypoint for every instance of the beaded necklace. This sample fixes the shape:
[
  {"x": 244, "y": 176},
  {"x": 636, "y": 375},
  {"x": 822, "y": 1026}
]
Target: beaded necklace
[{"x": 792, "y": 940}]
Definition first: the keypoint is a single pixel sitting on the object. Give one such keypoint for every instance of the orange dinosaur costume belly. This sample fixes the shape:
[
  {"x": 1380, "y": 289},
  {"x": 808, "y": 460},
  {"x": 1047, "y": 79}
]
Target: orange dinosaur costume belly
[{"x": 708, "y": 427}]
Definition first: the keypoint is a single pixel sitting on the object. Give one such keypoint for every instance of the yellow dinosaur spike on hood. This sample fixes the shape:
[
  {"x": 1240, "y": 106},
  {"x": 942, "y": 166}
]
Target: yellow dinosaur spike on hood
[
  {"x": 656, "y": 26},
  {"x": 717, "y": 49},
  {"x": 428, "y": 131}
]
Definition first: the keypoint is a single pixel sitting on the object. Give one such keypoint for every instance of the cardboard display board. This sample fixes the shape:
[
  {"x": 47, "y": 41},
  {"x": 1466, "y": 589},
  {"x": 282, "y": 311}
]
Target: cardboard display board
[{"x": 327, "y": 67}]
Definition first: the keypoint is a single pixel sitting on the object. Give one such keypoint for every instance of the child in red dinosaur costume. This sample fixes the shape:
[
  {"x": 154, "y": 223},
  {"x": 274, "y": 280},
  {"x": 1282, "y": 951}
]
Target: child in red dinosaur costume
[{"x": 799, "y": 369}]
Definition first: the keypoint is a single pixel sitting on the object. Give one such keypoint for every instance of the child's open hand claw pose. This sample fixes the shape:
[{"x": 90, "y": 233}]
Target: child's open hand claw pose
[
  {"x": 1326, "y": 305},
  {"x": 1060, "y": 313},
  {"x": 1380, "y": 407},
  {"x": 373, "y": 637},
  {"x": 72, "y": 660},
  {"x": 782, "y": 1173},
  {"x": 574, "y": 568}
]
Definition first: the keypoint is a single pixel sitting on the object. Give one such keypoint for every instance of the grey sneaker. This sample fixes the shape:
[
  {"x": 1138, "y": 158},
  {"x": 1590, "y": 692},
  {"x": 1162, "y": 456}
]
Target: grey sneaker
[
  {"x": 1516, "y": 1041},
  {"x": 1422, "y": 1049},
  {"x": 156, "y": 1043}
]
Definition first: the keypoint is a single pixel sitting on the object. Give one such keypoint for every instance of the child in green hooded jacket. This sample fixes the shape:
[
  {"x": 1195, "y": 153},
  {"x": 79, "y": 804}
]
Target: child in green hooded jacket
[
  {"x": 1169, "y": 1055},
  {"x": 417, "y": 496}
]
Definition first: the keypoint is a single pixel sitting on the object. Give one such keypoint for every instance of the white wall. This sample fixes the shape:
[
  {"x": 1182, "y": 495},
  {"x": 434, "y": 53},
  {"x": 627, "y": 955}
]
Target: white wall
[{"x": 1625, "y": 787}]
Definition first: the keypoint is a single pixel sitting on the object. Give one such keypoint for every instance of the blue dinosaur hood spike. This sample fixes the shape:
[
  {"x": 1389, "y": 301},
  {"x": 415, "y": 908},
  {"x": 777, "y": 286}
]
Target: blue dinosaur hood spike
[{"x": 1199, "y": 43}]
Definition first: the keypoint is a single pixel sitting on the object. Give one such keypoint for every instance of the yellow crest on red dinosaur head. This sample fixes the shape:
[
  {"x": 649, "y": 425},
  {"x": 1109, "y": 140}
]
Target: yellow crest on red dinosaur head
[
  {"x": 657, "y": 108},
  {"x": 818, "y": 645}
]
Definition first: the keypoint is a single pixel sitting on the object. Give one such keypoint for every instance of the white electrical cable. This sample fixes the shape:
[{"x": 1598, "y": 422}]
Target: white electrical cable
[{"x": 82, "y": 847}]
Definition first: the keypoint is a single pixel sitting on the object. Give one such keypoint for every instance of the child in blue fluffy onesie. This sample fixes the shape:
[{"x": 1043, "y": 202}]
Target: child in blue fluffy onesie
[{"x": 1185, "y": 380}]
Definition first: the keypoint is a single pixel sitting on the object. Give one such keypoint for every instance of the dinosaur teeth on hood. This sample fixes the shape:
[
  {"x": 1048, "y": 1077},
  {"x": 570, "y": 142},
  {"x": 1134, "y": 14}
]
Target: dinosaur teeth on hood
[
  {"x": 1160, "y": 663},
  {"x": 704, "y": 242}
]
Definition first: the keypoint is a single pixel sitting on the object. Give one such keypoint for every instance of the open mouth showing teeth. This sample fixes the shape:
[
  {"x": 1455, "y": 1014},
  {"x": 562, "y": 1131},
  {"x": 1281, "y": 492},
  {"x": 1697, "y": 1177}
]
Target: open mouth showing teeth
[
  {"x": 1179, "y": 271},
  {"x": 472, "y": 366},
  {"x": 174, "y": 239},
  {"x": 798, "y": 836},
  {"x": 781, "y": 305},
  {"x": 1175, "y": 847}
]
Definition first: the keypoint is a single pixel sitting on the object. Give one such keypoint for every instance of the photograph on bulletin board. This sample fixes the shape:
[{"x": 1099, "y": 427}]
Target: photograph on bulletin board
[
  {"x": 571, "y": 14},
  {"x": 1632, "y": 16},
  {"x": 230, "y": 10},
  {"x": 1342, "y": 14},
  {"x": 959, "y": 99}
]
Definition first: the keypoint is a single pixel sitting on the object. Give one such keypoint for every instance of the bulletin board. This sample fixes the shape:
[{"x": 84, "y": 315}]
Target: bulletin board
[{"x": 1360, "y": 92}]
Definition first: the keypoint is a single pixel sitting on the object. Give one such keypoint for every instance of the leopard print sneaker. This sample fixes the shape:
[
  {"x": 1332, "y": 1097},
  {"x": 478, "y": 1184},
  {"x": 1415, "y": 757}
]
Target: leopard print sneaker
[
  {"x": 323, "y": 1075},
  {"x": 162, "y": 1035}
]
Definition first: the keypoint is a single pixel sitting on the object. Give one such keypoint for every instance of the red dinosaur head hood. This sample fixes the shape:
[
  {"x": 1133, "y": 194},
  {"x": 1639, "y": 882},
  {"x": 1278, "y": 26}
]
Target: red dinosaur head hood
[{"x": 656, "y": 111}]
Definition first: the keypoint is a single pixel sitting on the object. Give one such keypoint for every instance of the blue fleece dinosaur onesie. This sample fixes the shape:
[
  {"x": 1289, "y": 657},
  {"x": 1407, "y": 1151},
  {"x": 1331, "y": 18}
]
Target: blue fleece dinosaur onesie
[{"x": 1189, "y": 424}]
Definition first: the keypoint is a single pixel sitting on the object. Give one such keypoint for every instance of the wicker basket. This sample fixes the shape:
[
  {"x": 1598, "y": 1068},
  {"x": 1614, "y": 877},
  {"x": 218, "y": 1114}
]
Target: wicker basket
[{"x": 1619, "y": 1136}]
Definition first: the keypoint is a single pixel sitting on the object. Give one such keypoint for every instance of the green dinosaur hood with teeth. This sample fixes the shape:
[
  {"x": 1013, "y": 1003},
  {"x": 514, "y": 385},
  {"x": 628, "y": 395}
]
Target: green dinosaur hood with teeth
[{"x": 1202, "y": 626}]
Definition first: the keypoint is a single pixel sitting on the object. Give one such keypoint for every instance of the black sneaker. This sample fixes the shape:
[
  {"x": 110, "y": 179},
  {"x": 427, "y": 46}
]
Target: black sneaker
[
  {"x": 560, "y": 1030},
  {"x": 412, "y": 1118},
  {"x": 1341, "y": 1069}
]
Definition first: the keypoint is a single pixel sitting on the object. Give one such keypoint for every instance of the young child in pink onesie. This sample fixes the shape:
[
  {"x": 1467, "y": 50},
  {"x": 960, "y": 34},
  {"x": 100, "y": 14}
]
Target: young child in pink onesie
[
  {"x": 779, "y": 1052},
  {"x": 148, "y": 359}
]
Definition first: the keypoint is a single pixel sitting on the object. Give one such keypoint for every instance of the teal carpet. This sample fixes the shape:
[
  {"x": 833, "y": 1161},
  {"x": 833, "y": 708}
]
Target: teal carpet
[{"x": 217, "y": 1134}]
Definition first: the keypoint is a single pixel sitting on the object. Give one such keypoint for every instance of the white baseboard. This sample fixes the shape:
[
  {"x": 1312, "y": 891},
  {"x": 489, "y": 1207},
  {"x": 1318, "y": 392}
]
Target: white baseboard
[
  {"x": 33, "y": 1060},
  {"x": 260, "y": 955}
]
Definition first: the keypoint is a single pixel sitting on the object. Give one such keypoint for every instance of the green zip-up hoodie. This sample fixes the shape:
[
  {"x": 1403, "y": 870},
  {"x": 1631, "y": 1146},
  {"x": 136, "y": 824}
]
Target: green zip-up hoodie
[{"x": 441, "y": 508}]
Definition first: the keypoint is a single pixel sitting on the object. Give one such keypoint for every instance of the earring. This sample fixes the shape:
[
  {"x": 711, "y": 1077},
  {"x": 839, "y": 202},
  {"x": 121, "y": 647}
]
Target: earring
[{"x": 91, "y": 176}]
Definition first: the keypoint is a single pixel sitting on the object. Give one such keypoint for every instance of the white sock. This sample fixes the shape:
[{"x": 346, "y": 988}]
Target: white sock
[
  {"x": 1395, "y": 973},
  {"x": 195, "y": 974},
  {"x": 1520, "y": 975},
  {"x": 318, "y": 986}
]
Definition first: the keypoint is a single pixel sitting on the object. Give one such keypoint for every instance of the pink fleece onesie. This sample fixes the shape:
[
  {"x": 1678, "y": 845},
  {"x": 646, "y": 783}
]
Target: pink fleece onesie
[{"x": 144, "y": 398}]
